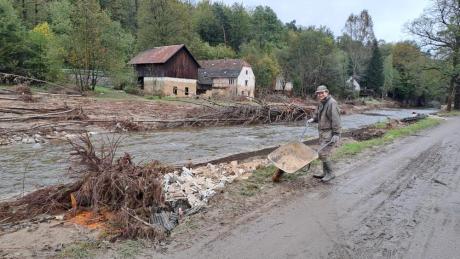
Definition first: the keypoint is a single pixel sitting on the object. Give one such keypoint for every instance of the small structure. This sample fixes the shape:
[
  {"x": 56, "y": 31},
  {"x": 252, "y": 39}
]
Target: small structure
[
  {"x": 281, "y": 85},
  {"x": 353, "y": 84},
  {"x": 226, "y": 77},
  {"x": 167, "y": 71}
]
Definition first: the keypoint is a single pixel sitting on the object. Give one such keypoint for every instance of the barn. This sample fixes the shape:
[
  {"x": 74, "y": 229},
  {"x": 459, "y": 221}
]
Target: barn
[{"x": 167, "y": 71}]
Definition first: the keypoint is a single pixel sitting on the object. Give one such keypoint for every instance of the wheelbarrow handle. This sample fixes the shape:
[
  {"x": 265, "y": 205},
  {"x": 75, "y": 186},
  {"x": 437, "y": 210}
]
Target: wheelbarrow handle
[
  {"x": 304, "y": 131},
  {"x": 324, "y": 146}
]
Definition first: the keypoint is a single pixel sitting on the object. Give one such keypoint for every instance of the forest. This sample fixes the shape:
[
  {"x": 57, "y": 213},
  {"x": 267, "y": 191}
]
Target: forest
[{"x": 59, "y": 40}]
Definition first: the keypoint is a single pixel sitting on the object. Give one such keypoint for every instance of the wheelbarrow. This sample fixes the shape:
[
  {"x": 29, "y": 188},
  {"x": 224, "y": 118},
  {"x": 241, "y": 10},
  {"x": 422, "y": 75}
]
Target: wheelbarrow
[{"x": 295, "y": 155}]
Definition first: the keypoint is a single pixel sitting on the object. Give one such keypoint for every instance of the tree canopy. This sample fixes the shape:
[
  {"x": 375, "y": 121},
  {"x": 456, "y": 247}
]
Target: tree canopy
[{"x": 93, "y": 38}]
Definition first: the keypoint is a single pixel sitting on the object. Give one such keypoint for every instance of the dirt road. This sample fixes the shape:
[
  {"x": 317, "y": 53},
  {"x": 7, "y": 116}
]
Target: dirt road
[{"x": 400, "y": 201}]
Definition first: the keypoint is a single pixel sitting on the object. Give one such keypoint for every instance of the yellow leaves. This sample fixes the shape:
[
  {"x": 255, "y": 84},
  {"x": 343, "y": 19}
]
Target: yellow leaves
[{"x": 44, "y": 29}]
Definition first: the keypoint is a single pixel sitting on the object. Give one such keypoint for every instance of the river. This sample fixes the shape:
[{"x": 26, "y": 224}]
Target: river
[{"x": 26, "y": 167}]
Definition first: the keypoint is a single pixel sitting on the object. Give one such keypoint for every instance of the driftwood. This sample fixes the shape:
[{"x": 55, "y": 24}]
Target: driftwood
[{"x": 73, "y": 113}]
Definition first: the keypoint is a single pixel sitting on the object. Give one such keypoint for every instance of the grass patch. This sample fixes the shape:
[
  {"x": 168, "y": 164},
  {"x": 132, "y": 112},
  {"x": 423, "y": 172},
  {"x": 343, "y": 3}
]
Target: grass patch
[
  {"x": 351, "y": 149},
  {"x": 130, "y": 249},
  {"x": 257, "y": 179},
  {"x": 109, "y": 93},
  {"x": 164, "y": 98},
  {"x": 80, "y": 250},
  {"x": 449, "y": 114}
]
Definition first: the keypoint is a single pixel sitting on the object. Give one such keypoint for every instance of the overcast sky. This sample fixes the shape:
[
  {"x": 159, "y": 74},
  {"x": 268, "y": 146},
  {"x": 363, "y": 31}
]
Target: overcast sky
[{"x": 389, "y": 16}]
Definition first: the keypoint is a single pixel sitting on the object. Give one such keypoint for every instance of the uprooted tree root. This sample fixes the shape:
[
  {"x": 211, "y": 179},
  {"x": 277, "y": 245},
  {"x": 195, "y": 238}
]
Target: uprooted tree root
[{"x": 131, "y": 193}]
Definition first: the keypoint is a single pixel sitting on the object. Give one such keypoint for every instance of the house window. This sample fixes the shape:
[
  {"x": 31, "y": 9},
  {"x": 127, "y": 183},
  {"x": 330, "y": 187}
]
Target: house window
[
  {"x": 186, "y": 90},
  {"x": 246, "y": 82},
  {"x": 246, "y": 71},
  {"x": 231, "y": 81},
  {"x": 175, "y": 90}
]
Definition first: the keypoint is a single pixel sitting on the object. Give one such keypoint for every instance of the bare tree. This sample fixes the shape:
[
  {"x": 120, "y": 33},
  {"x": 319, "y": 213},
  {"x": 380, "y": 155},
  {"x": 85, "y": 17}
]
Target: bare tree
[
  {"x": 357, "y": 39},
  {"x": 438, "y": 29}
]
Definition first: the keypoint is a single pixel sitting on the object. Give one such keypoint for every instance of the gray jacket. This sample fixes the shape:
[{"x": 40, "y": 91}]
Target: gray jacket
[{"x": 328, "y": 116}]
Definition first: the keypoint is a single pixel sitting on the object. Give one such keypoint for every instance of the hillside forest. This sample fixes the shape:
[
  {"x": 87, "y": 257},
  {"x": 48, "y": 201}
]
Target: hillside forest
[{"x": 55, "y": 40}]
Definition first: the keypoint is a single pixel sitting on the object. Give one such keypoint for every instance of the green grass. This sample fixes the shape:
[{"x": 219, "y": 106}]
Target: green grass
[
  {"x": 164, "y": 98},
  {"x": 109, "y": 93},
  {"x": 257, "y": 179},
  {"x": 351, "y": 149},
  {"x": 130, "y": 249},
  {"x": 449, "y": 114},
  {"x": 80, "y": 250}
]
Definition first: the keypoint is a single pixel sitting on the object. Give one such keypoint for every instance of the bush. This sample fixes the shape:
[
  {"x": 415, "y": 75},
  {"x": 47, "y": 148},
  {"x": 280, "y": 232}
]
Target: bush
[{"x": 134, "y": 90}]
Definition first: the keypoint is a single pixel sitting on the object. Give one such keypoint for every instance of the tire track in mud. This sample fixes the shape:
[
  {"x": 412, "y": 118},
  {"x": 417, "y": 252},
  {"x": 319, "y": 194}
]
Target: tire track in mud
[{"x": 389, "y": 229}]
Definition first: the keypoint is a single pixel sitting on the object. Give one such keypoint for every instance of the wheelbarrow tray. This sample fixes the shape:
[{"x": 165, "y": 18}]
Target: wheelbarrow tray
[{"x": 293, "y": 156}]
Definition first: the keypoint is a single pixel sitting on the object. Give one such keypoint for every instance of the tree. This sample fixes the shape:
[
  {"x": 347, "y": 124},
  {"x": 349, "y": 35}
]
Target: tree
[
  {"x": 389, "y": 75},
  {"x": 163, "y": 22},
  {"x": 12, "y": 43},
  {"x": 374, "y": 76},
  {"x": 265, "y": 26},
  {"x": 358, "y": 35},
  {"x": 21, "y": 52},
  {"x": 264, "y": 64},
  {"x": 438, "y": 29},
  {"x": 95, "y": 44},
  {"x": 414, "y": 82},
  {"x": 311, "y": 59},
  {"x": 123, "y": 11}
]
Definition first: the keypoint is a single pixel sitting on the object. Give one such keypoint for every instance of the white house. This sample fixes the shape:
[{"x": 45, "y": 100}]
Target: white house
[
  {"x": 226, "y": 77},
  {"x": 353, "y": 84},
  {"x": 282, "y": 85}
]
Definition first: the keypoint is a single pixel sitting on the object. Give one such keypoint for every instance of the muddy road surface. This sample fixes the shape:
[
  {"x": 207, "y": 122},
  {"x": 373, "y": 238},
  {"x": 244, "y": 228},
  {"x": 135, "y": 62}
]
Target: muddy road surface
[{"x": 398, "y": 201}]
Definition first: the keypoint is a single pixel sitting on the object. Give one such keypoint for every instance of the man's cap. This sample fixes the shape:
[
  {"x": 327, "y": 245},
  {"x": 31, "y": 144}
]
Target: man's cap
[{"x": 322, "y": 88}]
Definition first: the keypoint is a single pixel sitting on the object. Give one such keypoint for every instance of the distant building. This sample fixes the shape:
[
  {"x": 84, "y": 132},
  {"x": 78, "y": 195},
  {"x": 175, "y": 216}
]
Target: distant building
[
  {"x": 226, "y": 77},
  {"x": 353, "y": 84},
  {"x": 167, "y": 70},
  {"x": 281, "y": 85}
]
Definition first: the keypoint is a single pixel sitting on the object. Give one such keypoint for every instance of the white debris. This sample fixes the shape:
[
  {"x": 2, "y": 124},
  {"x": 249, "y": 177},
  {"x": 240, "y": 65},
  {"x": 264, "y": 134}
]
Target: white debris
[{"x": 200, "y": 184}]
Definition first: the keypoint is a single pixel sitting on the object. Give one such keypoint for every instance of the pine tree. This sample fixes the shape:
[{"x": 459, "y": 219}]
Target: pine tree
[{"x": 374, "y": 76}]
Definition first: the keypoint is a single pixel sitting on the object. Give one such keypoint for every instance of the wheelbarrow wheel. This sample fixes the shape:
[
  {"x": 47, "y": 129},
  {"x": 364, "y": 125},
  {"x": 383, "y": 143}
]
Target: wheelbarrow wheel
[{"x": 277, "y": 175}]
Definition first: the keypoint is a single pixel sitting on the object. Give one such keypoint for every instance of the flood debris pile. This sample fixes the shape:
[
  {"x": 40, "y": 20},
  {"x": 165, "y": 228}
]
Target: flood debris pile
[
  {"x": 197, "y": 186},
  {"x": 135, "y": 200},
  {"x": 254, "y": 113}
]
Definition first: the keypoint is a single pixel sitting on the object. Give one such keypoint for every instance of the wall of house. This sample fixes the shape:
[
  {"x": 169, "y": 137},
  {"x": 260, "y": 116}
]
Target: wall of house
[
  {"x": 165, "y": 86},
  {"x": 224, "y": 87},
  {"x": 246, "y": 82}
]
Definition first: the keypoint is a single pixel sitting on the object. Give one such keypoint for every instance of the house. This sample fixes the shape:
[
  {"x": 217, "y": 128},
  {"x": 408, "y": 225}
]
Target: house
[
  {"x": 281, "y": 85},
  {"x": 353, "y": 84},
  {"x": 226, "y": 77},
  {"x": 168, "y": 71}
]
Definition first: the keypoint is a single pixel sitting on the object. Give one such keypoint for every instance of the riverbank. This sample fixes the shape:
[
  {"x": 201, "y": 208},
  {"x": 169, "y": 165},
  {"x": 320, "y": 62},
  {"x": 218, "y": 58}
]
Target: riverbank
[
  {"x": 45, "y": 117},
  {"x": 227, "y": 206}
]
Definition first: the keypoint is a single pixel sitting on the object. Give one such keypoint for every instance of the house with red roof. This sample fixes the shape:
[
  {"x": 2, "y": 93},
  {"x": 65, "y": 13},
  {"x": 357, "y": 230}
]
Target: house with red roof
[{"x": 167, "y": 71}]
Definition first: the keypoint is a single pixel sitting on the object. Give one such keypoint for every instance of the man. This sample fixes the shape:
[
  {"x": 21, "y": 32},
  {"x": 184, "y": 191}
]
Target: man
[{"x": 329, "y": 126}]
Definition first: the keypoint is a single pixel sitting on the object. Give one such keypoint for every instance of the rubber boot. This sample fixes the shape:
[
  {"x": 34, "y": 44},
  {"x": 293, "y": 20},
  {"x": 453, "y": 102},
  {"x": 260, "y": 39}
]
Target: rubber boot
[
  {"x": 277, "y": 175},
  {"x": 329, "y": 174},
  {"x": 321, "y": 174}
]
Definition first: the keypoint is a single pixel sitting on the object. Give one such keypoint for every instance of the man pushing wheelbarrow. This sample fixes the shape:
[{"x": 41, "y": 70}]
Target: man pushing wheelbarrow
[{"x": 327, "y": 116}]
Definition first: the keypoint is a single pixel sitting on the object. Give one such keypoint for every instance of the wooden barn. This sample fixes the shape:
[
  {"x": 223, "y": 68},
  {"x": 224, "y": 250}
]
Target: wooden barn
[{"x": 167, "y": 71}]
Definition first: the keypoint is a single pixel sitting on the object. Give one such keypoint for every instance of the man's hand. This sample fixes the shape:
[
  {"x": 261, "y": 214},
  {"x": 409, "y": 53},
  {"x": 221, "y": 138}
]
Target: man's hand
[
  {"x": 310, "y": 120},
  {"x": 335, "y": 139}
]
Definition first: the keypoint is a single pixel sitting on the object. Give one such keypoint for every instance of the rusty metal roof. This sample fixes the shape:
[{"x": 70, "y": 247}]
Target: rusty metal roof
[{"x": 158, "y": 55}]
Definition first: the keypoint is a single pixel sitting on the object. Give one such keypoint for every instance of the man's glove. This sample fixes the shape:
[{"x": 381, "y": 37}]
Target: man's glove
[
  {"x": 310, "y": 120},
  {"x": 335, "y": 139}
]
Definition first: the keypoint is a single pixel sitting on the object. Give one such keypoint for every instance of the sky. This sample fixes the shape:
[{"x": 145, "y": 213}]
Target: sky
[{"x": 389, "y": 16}]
